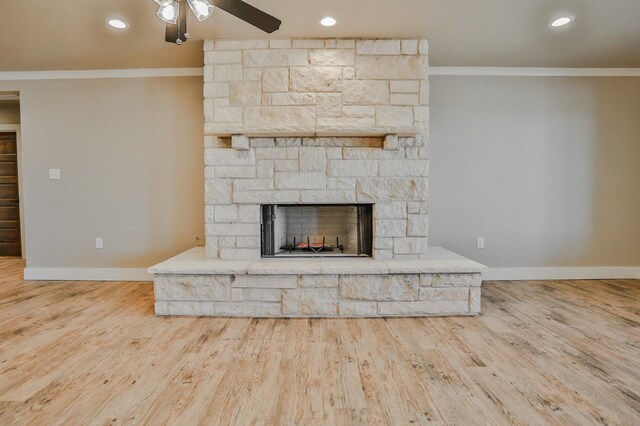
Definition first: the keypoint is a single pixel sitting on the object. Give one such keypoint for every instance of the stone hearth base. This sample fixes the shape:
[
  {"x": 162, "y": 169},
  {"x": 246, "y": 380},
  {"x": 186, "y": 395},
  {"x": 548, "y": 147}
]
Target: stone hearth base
[{"x": 443, "y": 284}]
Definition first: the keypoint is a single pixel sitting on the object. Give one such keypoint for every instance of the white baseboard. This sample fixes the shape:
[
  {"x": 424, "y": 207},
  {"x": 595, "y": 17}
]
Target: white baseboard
[
  {"x": 113, "y": 73},
  {"x": 535, "y": 71},
  {"x": 87, "y": 274},
  {"x": 562, "y": 273}
]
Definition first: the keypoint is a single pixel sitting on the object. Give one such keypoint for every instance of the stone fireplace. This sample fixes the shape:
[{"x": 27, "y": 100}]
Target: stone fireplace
[{"x": 316, "y": 170}]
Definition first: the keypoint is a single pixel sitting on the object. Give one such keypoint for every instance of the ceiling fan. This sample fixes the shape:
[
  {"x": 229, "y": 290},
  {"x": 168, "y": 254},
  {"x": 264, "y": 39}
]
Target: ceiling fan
[{"x": 174, "y": 13}]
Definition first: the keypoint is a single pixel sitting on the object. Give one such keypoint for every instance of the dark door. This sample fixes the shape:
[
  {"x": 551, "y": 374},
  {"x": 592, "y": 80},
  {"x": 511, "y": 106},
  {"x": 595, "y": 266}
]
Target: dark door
[{"x": 9, "y": 207}]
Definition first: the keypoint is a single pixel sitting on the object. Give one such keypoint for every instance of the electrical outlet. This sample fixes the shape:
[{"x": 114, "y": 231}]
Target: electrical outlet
[
  {"x": 99, "y": 243},
  {"x": 480, "y": 242},
  {"x": 54, "y": 174}
]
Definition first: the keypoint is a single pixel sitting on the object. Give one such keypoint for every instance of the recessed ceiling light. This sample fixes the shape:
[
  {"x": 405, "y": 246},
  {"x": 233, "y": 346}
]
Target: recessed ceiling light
[
  {"x": 328, "y": 21},
  {"x": 561, "y": 21},
  {"x": 117, "y": 23}
]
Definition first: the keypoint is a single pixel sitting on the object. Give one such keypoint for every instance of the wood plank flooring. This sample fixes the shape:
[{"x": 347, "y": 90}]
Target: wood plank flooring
[{"x": 543, "y": 352}]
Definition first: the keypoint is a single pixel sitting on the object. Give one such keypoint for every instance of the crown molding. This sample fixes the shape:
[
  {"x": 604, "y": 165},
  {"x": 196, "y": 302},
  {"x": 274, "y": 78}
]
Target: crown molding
[
  {"x": 535, "y": 72},
  {"x": 92, "y": 74}
]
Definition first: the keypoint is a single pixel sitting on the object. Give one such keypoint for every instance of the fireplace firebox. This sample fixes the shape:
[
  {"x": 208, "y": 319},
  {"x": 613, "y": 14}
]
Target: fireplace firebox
[{"x": 314, "y": 230}]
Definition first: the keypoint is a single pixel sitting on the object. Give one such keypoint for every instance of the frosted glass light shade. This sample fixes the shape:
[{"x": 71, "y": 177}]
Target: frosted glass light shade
[
  {"x": 169, "y": 13},
  {"x": 163, "y": 2},
  {"x": 201, "y": 8}
]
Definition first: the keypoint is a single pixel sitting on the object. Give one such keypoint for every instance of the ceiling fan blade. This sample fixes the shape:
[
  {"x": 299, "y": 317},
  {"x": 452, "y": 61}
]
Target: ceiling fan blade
[
  {"x": 250, "y": 14},
  {"x": 177, "y": 33}
]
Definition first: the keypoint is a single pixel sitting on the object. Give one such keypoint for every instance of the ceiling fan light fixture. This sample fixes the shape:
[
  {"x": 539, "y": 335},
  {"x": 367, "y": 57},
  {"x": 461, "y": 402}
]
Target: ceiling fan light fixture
[
  {"x": 174, "y": 13},
  {"x": 169, "y": 13},
  {"x": 201, "y": 8}
]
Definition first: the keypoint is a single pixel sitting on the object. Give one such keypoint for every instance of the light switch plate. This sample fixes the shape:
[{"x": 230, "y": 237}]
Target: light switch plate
[
  {"x": 99, "y": 243},
  {"x": 54, "y": 174}
]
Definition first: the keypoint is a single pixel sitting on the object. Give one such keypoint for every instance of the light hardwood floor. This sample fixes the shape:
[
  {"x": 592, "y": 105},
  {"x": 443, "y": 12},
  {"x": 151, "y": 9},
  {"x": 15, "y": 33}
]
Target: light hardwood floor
[{"x": 542, "y": 352}]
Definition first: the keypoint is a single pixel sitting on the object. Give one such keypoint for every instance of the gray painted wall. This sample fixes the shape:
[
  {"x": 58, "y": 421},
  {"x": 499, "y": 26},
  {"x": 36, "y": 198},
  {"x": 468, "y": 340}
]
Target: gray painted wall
[
  {"x": 547, "y": 169},
  {"x": 131, "y": 158}
]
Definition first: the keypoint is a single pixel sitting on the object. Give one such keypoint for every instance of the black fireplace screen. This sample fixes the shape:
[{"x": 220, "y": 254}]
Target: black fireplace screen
[{"x": 317, "y": 230}]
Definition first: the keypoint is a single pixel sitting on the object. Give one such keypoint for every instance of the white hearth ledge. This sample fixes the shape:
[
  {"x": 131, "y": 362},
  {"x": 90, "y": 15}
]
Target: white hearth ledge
[{"x": 438, "y": 260}]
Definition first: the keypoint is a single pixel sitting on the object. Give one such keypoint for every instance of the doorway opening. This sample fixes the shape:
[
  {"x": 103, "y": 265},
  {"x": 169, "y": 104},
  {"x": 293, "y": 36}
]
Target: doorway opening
[{"x": 11, "y": 235}]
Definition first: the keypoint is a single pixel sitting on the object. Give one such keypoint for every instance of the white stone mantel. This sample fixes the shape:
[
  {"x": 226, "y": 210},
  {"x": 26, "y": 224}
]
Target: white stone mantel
[{"x": 337, "y": 132}]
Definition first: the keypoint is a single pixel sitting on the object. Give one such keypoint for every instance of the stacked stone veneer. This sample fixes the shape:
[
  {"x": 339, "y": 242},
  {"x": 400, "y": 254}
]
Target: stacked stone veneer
[
  {"x": 318, "y": 295},
  {"x": 316, "y": 171},
  {"x": 316, "y": 87},
  {"x": 347, "y": 122}
]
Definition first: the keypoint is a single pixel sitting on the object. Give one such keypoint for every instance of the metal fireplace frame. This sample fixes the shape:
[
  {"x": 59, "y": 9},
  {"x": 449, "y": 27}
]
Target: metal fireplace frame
[{"x": 364, "y": 232}]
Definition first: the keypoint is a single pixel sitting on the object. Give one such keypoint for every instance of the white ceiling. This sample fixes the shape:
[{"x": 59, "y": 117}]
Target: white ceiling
[{"x": 72, "y": 34}]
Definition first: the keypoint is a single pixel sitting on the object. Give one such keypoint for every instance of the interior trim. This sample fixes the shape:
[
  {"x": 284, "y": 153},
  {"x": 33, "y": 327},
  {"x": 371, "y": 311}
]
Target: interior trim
[
  {"x": 87, "y": 74},
  {"x": 87, "y": 274},
  {"x": 535, "y": 71},
  {"x": 562, "y": 273}
]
